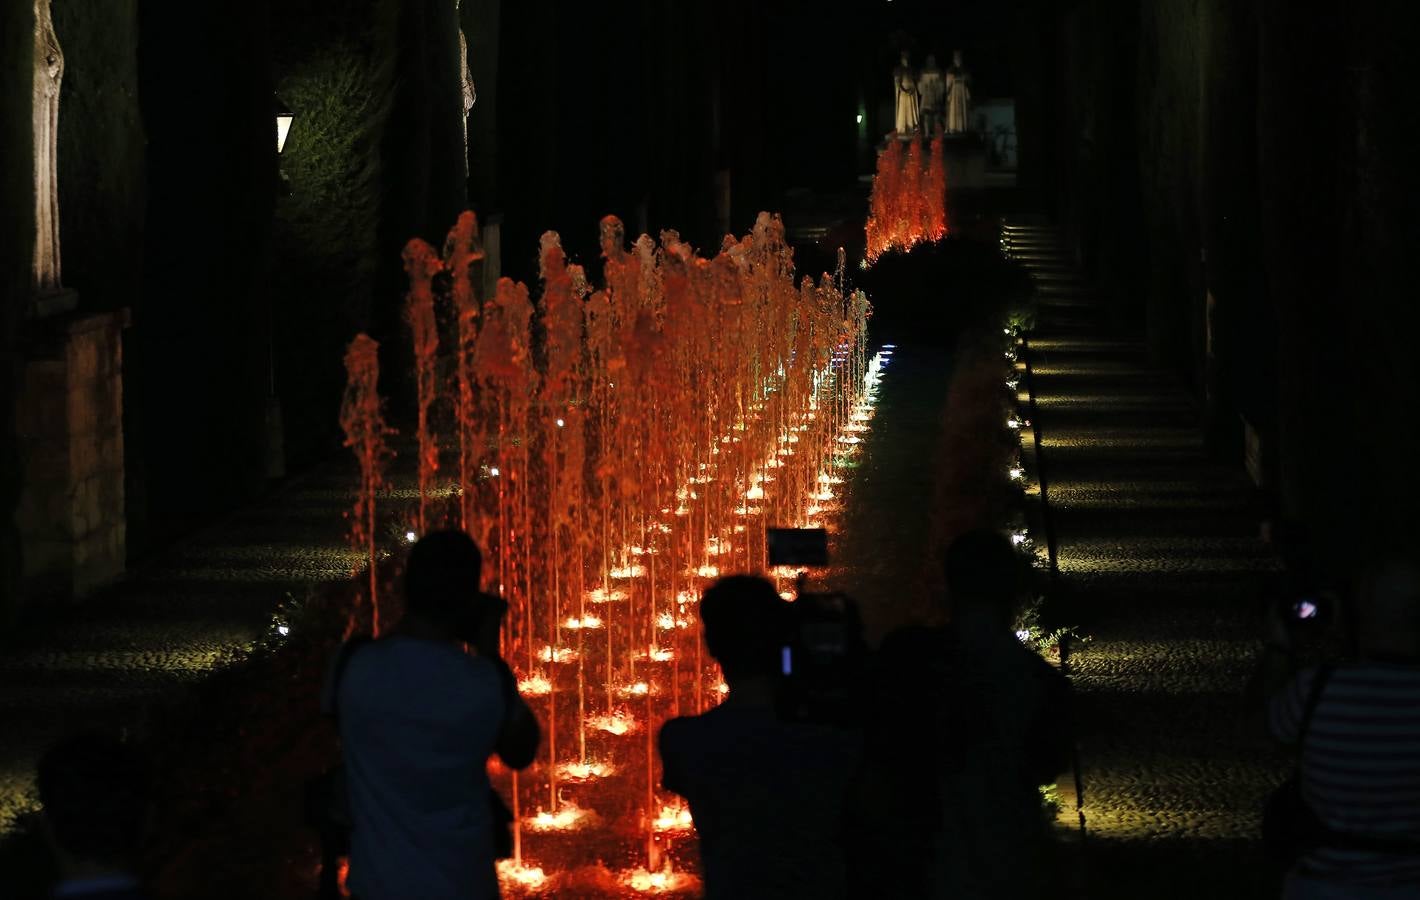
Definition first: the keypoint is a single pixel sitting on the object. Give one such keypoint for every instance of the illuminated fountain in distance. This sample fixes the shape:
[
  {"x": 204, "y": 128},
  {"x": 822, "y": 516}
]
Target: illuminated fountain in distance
[
  {"x": 909, "y": 200},
  {"x": 616, "y": 448}
]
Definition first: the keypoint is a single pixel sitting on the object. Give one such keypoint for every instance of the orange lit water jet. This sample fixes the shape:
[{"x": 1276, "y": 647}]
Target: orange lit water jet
[
  {"x": 618, "y": 447},
  {"x": 365, "y": 432},
  {"x": 421, "y": 264},
  {"x": 909, "y": 200}
]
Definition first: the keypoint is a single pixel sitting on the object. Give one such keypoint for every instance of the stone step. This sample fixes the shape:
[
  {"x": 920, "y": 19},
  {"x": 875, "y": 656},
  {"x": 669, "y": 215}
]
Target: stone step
[
  {"x": 1034, "y": 246},
  {"x": 1055, "y": 279},
  {"x": 1039, "y": 254},
  {"x": 1048, "y": 303}
]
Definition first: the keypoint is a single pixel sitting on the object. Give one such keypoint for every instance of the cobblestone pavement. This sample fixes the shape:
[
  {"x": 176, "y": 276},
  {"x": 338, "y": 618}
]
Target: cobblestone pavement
[
  {"x": 884, "y": 537},
  {"x": 165, "y": 626},
  {"x": 1162, "y": 566}
]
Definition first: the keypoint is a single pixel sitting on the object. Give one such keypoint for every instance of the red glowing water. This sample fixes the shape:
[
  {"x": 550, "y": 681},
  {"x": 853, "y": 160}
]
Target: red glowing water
[
  {"x": 365, "y": 432},
  {"x": 908, "y": 204},
  {"x": 461, "y": 250},
  {"x": 935, "y": 189},
  {"x": 422, "y": 264},
  {"x": 617, "y": 449}
]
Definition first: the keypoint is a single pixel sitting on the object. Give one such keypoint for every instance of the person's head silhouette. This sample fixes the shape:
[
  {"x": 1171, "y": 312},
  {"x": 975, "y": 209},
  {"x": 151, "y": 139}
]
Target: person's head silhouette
[
  {"x": 744, "y": 620},
  {"x": 984, "y": 576},
  {"x": 94, "y": 792},
  {"x": 1387, "y": 609},
  {"x": 442, "y": 596},
  {"x": 442, "y": 576}
]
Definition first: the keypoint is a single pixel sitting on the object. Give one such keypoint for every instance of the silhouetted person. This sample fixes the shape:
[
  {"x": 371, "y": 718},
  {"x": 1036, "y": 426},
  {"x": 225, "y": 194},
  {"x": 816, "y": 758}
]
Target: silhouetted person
[
  {"x": 418, "y": 720},
  {"x": 971, "y": 722},
  {"x": 769, "y": 797},
  {"x": 1360, "y": 747},
  {"x": 94, "y": 790}
]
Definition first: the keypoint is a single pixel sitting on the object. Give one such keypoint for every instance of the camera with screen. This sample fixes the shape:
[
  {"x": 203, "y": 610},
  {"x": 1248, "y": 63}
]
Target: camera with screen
[{"x": 822, "y": 649}]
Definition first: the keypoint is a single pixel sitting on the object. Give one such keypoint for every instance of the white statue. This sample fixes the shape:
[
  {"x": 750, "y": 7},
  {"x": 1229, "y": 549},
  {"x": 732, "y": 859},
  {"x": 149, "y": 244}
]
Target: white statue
[
  {"x": 466, "y": 77},
  {"x": 904, "y": 84},
  {"x": 49, "y": 72},
  {"x": 958, "y": 96},
  {"x": 932, "y": 91}
]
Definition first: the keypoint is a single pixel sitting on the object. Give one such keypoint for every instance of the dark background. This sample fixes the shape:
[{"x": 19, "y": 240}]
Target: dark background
[{"x": 1248, "y": 148}]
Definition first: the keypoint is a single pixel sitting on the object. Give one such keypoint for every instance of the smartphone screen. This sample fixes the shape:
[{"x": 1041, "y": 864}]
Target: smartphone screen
[
  {"x": 1305, "y": 609},
  {"x": 786, "y": 657}
]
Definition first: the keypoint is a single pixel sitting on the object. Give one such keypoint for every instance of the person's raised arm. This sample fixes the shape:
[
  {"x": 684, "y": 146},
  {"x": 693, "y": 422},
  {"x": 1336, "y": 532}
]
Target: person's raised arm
[
  {"x": 668, "y": 744},
  {"x": 1274, "y": 687},
  {"x": 520, "y": 734}
]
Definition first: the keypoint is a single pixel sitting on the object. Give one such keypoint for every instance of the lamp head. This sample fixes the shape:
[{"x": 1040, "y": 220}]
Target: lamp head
[{"x": 284, "y": 118}]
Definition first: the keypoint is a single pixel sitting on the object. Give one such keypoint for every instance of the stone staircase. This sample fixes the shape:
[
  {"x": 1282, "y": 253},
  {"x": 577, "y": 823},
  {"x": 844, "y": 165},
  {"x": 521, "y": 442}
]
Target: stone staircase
[{"x": 1161, "y": 565}]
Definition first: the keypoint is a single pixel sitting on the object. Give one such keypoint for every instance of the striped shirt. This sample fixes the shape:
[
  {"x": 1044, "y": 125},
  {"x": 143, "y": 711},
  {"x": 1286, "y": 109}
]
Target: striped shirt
[{"x": 1360, "y": 765}]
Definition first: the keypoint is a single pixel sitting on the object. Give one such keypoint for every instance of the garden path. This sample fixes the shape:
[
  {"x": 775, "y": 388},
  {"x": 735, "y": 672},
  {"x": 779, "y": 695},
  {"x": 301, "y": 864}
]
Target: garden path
[
  {"x": 168, "y": 624},
  {"x": 1162, "y": 566}
]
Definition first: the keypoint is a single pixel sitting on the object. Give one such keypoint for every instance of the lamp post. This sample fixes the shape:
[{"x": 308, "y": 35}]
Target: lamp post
[
  {"x": 284, "y": 119},
  {"x": 275, "y": 433}
]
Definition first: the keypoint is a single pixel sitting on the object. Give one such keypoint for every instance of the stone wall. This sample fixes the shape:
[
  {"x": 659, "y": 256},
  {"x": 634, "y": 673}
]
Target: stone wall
[
  {"x": 1154, "y": 173},
  {"x": 16, "y": 249},
  {"x": 1236, "y": 174},
  {"x": 69, "y": 421}
]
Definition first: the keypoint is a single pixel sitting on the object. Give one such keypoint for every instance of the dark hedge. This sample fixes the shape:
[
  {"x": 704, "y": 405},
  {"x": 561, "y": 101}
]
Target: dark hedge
[{"x": 336, "y": 67}]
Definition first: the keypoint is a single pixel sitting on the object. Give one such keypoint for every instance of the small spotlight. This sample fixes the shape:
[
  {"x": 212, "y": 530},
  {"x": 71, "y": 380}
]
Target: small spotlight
[
  {"x": 410, "y": 537},
  {"x": 860, "y": 118},
  {"x": 560, "y": 423},
  {"x": 493, "y": 472},
  {"x": 283, "y": 630},
  {"x": 1023, "y": 636},
  {"x": 1017, "y": 473}
]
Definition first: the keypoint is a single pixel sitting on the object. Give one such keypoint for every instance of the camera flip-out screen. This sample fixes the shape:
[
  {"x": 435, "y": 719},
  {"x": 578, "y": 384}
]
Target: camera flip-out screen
[{"x": 797, "y": 546}]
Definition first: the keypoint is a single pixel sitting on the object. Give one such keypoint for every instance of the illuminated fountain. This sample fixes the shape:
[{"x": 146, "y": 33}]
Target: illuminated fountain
[
  {"x": 422, "y": 265},
  {"x": 363, "y": 421},
  {"x": 617, "y": 447},
  {"x": 909, "y": 200}
]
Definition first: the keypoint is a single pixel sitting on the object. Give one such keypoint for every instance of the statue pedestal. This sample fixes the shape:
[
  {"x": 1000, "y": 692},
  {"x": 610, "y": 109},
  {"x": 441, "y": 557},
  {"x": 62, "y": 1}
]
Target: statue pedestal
[
  {"x": 52, "y": 303},
  {"x": 69, "y": 425},
  {"x": 965, "y": 156}
]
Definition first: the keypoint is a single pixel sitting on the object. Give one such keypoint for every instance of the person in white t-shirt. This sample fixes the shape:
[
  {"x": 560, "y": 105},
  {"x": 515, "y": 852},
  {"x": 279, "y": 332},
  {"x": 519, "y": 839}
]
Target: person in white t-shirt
[{"x": 419, "y": 718}]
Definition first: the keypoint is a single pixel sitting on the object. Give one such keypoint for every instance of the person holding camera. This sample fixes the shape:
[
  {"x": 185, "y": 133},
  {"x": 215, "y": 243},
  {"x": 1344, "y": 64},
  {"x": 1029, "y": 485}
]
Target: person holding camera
[
  {"x": 418, "y": 719},
  {"x": 769, "y": 795},
  {"x": 1350, "y": 820}
]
